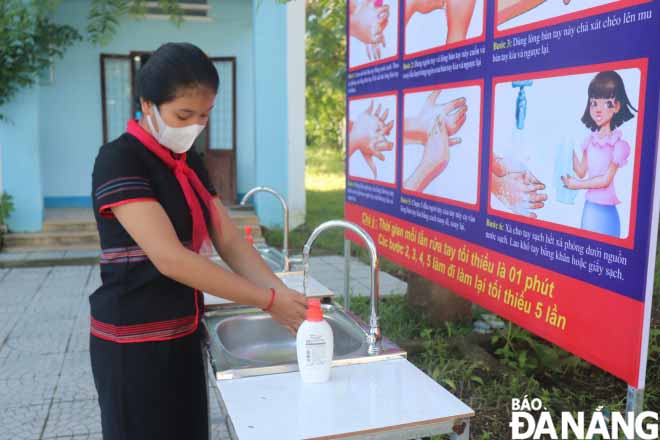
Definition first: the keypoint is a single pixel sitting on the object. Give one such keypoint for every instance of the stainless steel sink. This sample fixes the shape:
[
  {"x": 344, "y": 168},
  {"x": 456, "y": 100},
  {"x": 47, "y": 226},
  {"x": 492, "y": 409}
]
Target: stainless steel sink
[
  {"x": 248, "y": 342},
  {"x": 273, "y": 257}
]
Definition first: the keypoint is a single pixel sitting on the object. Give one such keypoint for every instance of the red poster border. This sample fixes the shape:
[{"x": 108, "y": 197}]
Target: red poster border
[
  {"x": 477, "y": 82},
  {"x": 621, "y": 356},
  {"x": 596, "y": 10},
  {"x": 639, "y": 63}
]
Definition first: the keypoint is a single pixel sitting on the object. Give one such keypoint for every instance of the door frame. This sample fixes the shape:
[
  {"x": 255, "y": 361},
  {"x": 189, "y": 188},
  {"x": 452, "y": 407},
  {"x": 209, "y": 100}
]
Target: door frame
[
  {"x": 228, "y": 154},
  {"x": 221, "y": 154},
  {"x": 104, "y": 111}
]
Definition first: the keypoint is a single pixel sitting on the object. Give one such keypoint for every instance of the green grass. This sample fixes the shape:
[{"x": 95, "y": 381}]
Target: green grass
[
  {"x": 488, "y": 387},
  {"x": 325, "y": 185}
]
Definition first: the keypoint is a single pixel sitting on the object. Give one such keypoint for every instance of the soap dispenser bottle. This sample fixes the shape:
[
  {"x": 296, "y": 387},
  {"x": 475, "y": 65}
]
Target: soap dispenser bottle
[{"x": 315, "y": 345}]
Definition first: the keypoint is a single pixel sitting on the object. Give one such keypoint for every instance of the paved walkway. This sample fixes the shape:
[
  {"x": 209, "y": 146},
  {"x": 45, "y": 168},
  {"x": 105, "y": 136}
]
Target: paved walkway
[
  {"x": 329, "y": 270},
  {"x": 46, "y": 385}
]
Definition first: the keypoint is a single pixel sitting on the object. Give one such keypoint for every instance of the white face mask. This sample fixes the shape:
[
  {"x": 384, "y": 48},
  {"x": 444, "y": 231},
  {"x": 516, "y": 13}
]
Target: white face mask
[{"x": 177, "y": 139}]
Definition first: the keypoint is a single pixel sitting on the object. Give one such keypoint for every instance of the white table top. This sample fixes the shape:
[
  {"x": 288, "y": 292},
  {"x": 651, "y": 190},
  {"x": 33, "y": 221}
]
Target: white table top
[{"x": 358, "y": 399}]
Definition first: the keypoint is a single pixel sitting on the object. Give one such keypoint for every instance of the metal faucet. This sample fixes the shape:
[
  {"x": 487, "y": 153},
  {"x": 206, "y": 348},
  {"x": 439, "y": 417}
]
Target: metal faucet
[
  {"x": 285, "y": 207},
  {"x": 374, "y": 335}
]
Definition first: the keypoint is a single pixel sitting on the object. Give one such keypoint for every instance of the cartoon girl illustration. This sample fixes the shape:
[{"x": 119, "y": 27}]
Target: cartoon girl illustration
[{"x": 604, "y": 151}]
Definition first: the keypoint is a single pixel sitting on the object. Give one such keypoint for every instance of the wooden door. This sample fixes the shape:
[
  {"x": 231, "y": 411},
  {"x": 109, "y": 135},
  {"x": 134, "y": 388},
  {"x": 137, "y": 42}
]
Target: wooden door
[{"x": 220, "y": 164}]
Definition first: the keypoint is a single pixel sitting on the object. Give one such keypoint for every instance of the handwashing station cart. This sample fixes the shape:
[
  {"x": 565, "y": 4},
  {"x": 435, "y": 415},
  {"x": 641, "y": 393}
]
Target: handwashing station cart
[{"x": 374, "y": 392}]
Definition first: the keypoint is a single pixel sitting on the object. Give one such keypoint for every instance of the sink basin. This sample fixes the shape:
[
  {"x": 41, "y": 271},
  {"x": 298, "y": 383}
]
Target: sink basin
[
  {"x": 257, "y": 338},
  {"x": 246, "y": 342}
]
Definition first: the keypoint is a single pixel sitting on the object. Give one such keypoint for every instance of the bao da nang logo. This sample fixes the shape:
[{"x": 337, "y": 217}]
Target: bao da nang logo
[{"x": 531, "y": 420}]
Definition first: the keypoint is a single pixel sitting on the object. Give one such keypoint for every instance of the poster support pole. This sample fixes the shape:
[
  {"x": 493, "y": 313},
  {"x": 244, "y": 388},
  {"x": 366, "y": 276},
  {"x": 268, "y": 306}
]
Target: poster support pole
[
  {"x": 634, "y": 402},
  {"x": 347, "y": 274},
  {"x": 635, "y": 396}
]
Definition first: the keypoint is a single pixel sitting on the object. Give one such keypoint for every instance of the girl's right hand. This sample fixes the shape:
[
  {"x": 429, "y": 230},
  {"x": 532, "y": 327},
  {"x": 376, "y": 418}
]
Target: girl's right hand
[{"x": 289, "y": 309}]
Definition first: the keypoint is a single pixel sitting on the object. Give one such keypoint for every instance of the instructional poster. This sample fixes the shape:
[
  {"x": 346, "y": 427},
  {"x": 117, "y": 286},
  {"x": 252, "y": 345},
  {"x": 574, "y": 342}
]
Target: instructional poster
[{"x": 507, "y": 149}]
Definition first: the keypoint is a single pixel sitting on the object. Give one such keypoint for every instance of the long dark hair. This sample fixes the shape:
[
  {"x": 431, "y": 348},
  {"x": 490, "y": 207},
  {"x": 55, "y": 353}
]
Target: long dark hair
[
  {"x": 172, "y": 67},
  {"x": 608, "y": 85}
]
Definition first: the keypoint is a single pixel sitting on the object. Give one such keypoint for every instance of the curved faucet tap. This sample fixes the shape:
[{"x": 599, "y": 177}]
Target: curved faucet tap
[
  {"x": 285, "y": 207},
  {"x": 374, "y": 335}
]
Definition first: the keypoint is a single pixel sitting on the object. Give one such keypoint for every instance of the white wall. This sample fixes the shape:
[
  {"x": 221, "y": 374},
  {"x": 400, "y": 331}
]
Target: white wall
[{"x": 296, "y": 74}]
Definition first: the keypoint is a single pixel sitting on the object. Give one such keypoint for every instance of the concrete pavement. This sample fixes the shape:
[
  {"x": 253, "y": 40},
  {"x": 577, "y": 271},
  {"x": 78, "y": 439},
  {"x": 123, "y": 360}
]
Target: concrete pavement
[{"x": 46, "y": 386}]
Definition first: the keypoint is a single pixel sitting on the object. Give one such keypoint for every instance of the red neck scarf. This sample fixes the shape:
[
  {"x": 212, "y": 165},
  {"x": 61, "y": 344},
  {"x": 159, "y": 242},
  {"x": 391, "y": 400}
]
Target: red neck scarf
[{"x": 189, "y": 183}]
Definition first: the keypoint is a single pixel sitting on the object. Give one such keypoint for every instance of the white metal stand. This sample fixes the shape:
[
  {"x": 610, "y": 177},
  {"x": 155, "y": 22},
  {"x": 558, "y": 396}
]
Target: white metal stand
[
  {"x": 635, "y": 402},
  {"x": 347, "y": 274}
]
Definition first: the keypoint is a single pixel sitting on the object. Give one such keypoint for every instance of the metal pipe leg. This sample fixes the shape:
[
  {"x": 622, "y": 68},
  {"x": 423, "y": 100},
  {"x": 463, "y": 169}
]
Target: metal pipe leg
[
  {"x": 635, "y": 402},
  {"x": 347, "y": 274}
]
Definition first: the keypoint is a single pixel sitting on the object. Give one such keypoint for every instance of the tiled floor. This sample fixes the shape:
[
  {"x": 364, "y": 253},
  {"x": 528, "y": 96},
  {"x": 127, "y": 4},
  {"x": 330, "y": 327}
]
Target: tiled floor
[
  {"x": 46, "y": 385},
  {"x": 329, "y": 271}
]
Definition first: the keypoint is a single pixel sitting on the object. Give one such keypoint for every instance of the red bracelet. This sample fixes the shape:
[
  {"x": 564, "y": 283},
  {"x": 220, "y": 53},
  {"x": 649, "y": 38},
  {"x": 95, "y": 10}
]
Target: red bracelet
[{"x": 272, "y": 300}]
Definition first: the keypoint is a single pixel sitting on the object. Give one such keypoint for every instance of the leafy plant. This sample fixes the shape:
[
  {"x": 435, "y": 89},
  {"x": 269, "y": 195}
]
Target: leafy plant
[
  {"x": 29, "y": 42},
  {"x": 6, "y": 207},
  {"x": 326, "y": 51},
  {"x": 520, "y": 350},
  {"x": 104, "y": 16}
]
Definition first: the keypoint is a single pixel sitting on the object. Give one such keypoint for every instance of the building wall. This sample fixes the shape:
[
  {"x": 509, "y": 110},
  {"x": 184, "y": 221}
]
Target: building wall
[
  {"x": 271, "y": 94},
  {"x": 21, "y": 171},
  {"x": 279, "y": 35},
  {"x": 296, "y": 79},
  {"x": 49, "y": 148},
  {"x": 70, "y": 109}
]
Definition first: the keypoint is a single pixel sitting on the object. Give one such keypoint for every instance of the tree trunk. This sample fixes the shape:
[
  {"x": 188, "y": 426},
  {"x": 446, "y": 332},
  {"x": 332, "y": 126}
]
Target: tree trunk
[{"x": 439, "y": 303}]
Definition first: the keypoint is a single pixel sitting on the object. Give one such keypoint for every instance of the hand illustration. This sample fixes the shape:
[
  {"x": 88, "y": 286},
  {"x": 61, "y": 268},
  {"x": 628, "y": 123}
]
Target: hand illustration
[
  {"x": 459, "y": 15},
  {"x": 454, "y": 113},
  {"x": 518, "y": 190},
  {"x": 368, "y": 20},
  {"x": 368, "y": 134},
  {"x": 422, "y": 7},
  {"x": 434, "y": 159},
  {"x": 571, "y": 182}
]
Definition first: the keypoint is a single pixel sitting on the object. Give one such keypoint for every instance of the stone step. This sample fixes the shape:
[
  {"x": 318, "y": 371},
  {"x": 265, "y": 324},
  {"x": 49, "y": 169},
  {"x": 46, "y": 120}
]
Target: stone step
[
  {"x": 76, "y": 229},
  {"x": 67, "y": 226},
  {"x": 52, "y": 240}
]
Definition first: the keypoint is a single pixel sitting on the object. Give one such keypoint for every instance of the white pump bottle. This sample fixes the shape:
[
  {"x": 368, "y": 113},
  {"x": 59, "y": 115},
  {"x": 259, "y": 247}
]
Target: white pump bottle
[{"x": 315, "y": 345}]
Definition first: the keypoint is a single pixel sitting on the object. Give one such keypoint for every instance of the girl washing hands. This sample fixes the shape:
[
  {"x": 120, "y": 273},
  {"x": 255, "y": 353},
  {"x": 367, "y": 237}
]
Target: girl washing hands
[{"x": 604, "y": 151}]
